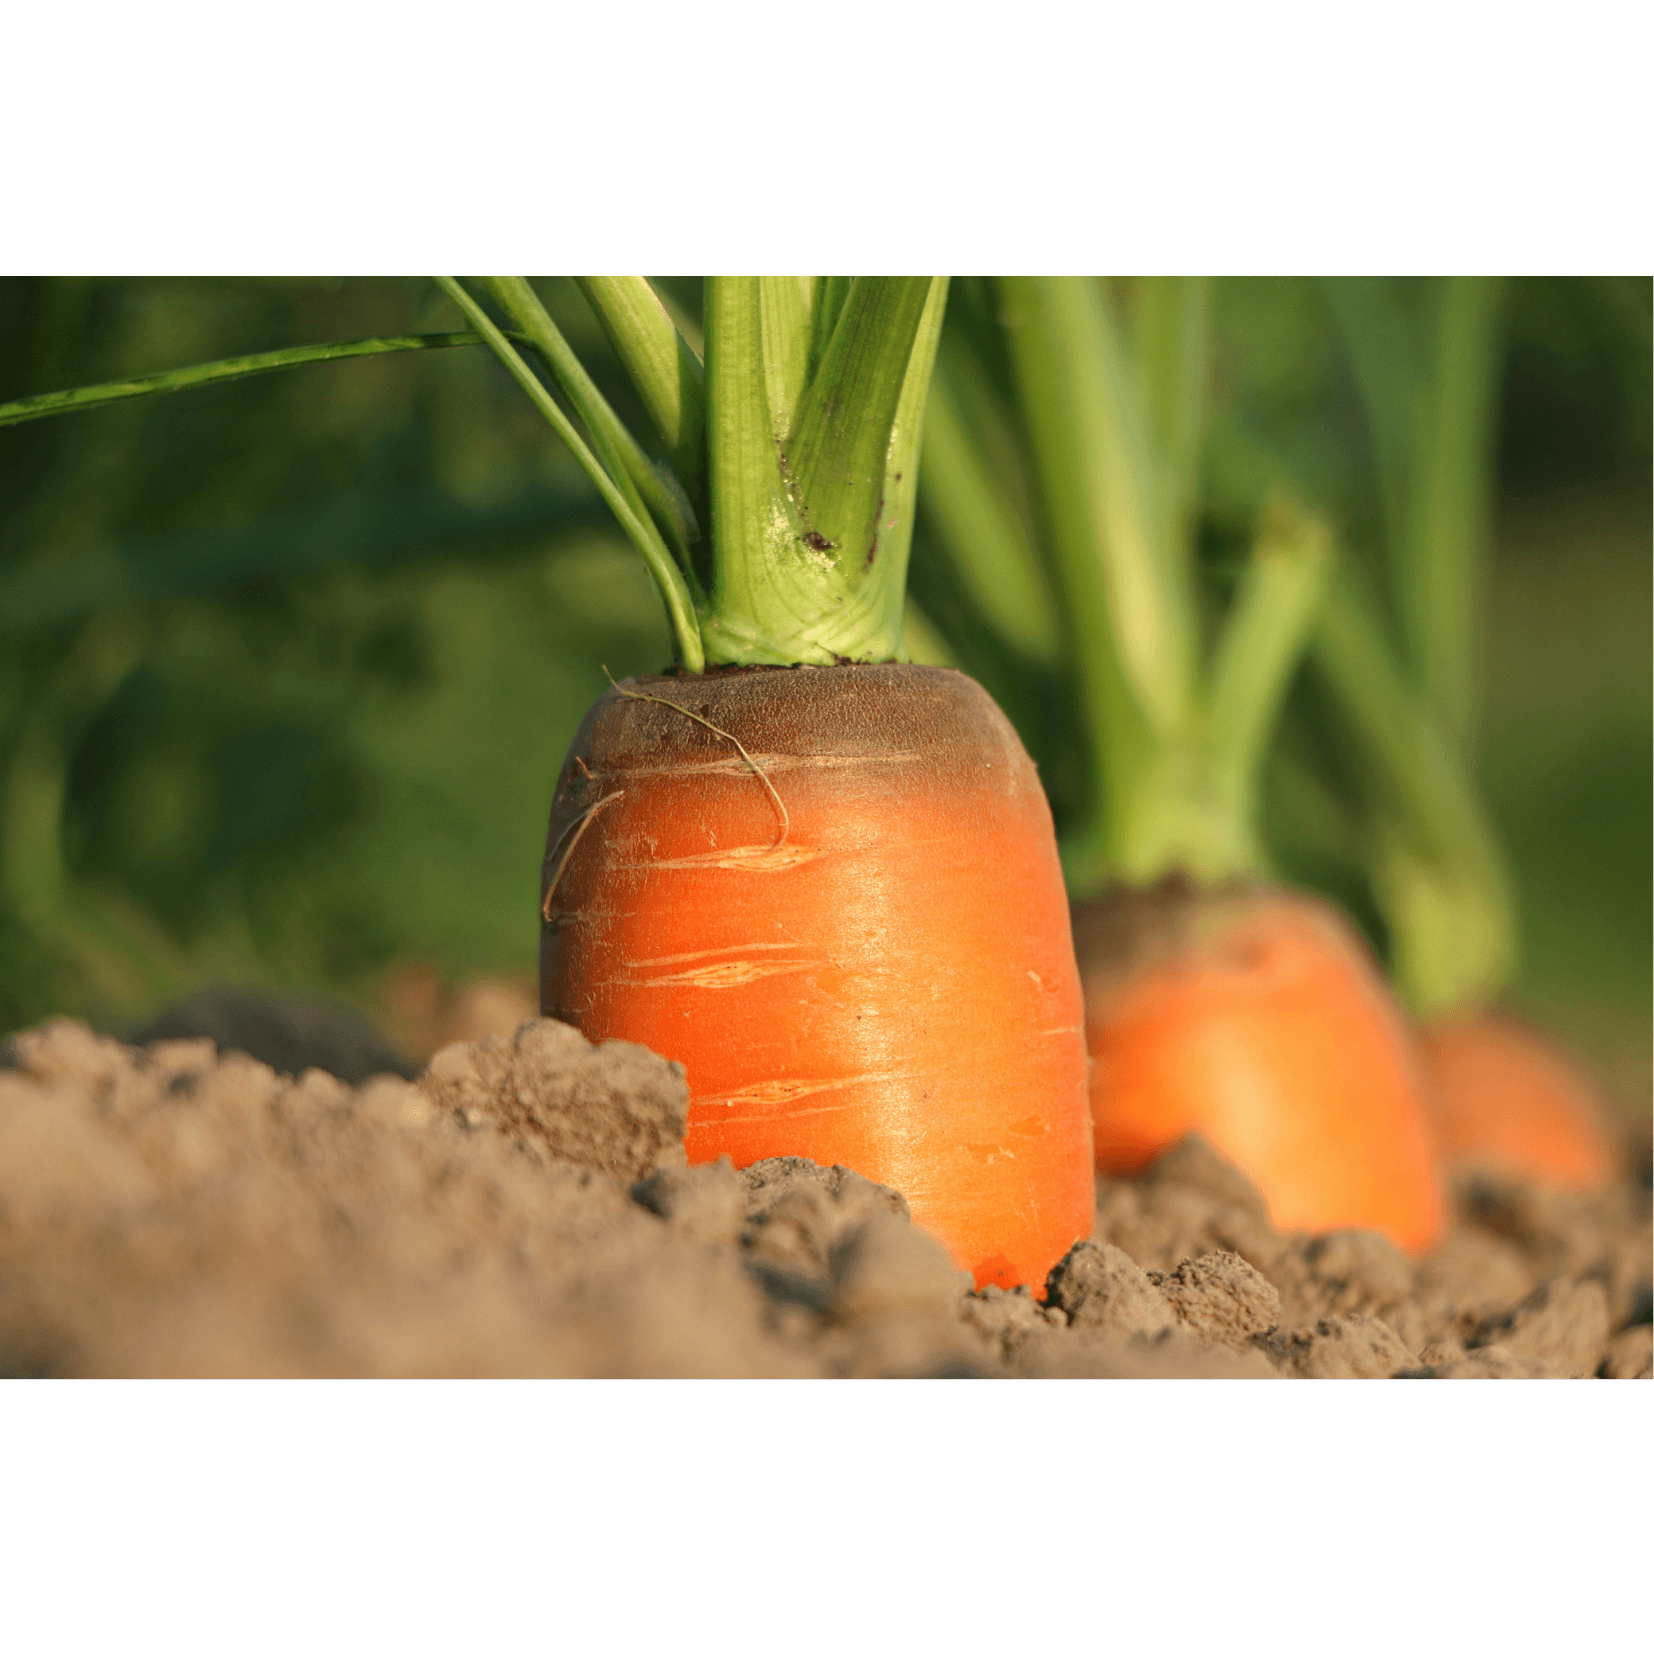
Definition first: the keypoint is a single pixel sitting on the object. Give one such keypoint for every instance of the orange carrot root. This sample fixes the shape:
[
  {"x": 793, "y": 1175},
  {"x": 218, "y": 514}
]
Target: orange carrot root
[
  {"x": 1506, "y": 1098},
  {"x": 889, "y": 986},
  {"x": 1259, "y": 1021}
]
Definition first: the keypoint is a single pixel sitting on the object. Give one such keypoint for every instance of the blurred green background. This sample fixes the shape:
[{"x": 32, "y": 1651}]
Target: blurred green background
[{"x": 287, "y": 667}]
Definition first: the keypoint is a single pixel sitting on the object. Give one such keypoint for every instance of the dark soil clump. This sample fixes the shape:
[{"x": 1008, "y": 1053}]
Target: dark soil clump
[{"x": 287, "y": 1032}]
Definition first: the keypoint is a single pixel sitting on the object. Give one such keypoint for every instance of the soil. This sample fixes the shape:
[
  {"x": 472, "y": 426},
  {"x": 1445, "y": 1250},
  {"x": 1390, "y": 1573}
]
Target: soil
[{"x": 524, "y": 1208}]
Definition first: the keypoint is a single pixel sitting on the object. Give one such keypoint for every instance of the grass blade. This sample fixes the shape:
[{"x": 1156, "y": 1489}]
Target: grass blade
[{"x": 220, "y": 373}]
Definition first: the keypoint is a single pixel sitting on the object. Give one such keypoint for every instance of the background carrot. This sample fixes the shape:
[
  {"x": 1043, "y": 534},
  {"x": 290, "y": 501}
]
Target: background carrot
[
  {"x": 1213, "y": 1003},
  {"x": 1510, "y": 1099},
  {"x": 1234, "y": 1021},
  {"x": 1399, "y": 655},
  {"x": 889, "y": 985}
]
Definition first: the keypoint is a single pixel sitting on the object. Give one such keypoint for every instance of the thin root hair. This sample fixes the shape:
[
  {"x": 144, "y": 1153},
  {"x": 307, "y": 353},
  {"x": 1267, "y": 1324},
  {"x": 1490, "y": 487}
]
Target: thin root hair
[
  {"x": 577, "y": 827},
  {"x": 752, "y": 763}
]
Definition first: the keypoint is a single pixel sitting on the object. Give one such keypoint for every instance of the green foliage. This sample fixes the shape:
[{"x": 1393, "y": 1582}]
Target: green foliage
[
  {"x": 286, "y": 667},
  {"x": 1096, "y": 420},
  {"x": 1367, "y": 793},
  {"x": 1429, "y": 436},
  {"x": 291, "y": 660}
]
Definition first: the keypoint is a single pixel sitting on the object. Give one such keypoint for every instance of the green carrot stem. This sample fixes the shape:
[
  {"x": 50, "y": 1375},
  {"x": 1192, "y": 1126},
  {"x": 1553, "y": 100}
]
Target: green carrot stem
[
  {"x": 1113, "y": 433},
  {"x": 839, "y": 439},
  {"x": 1440, "y": 874},
  {"x": 1439, "y": 555},
  {"x": 1125, "y": 607},
  {"x": 826, "y": 305},
  {"x": 898, "y": 504},
  {"x": 798, "y": 572},
  {"x": 1171, "y": 327},
  {"x": 980, "y": 530},
  {"x": 1092, "y": 459},
  {"x": 1261, "y": 643},
  {"x": 784, "y": 319},
  {"x": 1429, "y": 402}
]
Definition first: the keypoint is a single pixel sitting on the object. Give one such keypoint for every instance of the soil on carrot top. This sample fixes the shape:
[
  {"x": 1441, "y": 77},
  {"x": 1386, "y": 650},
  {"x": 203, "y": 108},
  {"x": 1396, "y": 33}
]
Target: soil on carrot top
[{"x": 525, "y": 1208}]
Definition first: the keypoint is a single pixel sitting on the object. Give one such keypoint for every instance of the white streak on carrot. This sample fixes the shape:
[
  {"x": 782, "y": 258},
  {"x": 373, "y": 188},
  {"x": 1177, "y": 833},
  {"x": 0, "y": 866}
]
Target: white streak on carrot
[
  {"x": 732, "y": 973},
  {"x": 745, "y": 859},
  {"x": 711, "y": 953},
  {"x": 774, "y": 1092}
]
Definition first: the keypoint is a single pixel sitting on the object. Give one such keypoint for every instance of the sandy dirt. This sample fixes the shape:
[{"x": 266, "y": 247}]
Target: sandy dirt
[{"x": 525, "y": 1209}]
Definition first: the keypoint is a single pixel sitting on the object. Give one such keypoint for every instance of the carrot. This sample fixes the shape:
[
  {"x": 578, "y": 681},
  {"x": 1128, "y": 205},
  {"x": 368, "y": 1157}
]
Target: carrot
[
  {"x": 1506, "y": 1098},
  {"x": 869, "y": 965},
  {"x": 832, "y": 893},
  {"x": 1258, "y": 1019},
  {"x": 1213, "y": 1003}
]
